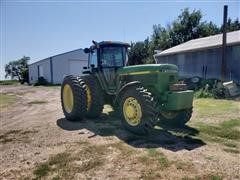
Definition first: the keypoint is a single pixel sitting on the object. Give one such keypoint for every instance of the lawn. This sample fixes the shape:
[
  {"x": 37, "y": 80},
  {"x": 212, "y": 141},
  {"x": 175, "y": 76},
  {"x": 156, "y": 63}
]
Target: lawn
[
  {"x": 206, "y": 148},
  {"x": 151, "y": 161},
  {"x": 218, "y": 121},
  {"x": 216, "y": 109}
]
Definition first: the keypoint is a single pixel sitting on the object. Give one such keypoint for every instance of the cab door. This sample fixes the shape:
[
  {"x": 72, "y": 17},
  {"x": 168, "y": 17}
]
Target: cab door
[{"x": 111, "y": 58}]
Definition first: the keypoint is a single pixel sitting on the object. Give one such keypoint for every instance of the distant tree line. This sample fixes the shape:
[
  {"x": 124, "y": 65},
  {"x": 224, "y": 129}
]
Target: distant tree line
[{"x": 187, "y": 26}]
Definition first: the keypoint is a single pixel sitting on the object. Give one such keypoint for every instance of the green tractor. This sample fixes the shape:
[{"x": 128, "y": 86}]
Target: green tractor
[{"x": 144, "y": 95}]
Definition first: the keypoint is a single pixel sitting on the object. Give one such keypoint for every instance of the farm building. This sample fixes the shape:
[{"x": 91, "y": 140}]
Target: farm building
[
  {"x": 55, "y": 68},
  {"x": 202, "y": 57}
]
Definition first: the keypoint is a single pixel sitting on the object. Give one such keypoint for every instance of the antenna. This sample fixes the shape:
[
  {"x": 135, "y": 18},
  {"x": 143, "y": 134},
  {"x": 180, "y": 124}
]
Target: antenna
[{"x": 124, "y": 35}]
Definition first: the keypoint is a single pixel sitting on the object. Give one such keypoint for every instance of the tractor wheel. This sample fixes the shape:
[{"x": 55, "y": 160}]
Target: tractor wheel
[
  {"x": 73, "y": 98},
  {"x": 95, "y": 99},
  {"x": 137, "y": 109},
  {"x": 175, "y": 119}
]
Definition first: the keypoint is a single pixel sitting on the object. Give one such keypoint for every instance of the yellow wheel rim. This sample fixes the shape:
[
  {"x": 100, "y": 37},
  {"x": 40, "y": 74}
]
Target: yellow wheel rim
[
  {"x": 89, "y": 97},
  {"x": 67, "y": 98},
  {"x": 132, "y": 111}
]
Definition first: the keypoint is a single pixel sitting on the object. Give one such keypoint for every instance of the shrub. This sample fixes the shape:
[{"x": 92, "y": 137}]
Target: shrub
[
  {"x": 41, "y": 81},
  {"x": 203, "y": 94}
]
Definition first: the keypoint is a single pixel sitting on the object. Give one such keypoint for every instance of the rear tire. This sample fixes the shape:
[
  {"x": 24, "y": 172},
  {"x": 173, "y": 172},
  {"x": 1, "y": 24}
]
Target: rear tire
[
  {"x": 179, "y": 120},
  {"x": 73, "y": 98},
  {"x": 138, "y": 110},
  {"x": 95, "y": 95}
]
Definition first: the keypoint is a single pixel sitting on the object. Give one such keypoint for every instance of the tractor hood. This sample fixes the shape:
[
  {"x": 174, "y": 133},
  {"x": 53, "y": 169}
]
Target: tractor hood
[{"x": 148, "y": 68}]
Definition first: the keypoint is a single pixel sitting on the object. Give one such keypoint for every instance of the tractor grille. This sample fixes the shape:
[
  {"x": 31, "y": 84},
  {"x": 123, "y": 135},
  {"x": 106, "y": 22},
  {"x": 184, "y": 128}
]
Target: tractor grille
[{"x": 171, "y": 78}]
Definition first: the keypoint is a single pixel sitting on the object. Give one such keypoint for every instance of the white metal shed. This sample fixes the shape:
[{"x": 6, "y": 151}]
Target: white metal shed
[{"x": 55, "y": 68}]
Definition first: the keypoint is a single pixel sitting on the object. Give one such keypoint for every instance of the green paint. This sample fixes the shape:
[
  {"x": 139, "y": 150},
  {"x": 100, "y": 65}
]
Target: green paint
[{"x": 156, "y": 78}]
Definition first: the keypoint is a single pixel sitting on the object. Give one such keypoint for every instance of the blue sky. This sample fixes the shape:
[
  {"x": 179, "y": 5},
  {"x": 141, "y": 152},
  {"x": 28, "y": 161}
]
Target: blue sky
[{"x": 40, "y": 29}]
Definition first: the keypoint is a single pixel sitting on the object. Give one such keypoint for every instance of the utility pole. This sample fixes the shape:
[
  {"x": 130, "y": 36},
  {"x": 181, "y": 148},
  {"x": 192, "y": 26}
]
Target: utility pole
[{"x": 224, "y": 40}]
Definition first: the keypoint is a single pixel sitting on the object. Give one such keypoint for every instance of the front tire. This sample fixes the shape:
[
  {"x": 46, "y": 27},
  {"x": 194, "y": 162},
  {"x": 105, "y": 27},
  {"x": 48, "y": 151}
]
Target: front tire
[
  {"x": 177, "y": 120},
  {"x": 73, "y": 98},
  {"x": 137, "y": 109}
]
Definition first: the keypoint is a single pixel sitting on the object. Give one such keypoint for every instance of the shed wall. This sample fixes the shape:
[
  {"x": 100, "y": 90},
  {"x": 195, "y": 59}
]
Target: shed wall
[
  {"x": 34, "y": 71},
  {"x": 61, "y": 65},
  {"x": 56, "y": 67},
  {"x": 207, "y": 62}
]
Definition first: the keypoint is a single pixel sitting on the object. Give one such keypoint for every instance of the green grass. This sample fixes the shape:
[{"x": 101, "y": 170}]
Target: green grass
[
  {"x": 41, "y": 170},
  {"x": 8, "y": 82},
  {"x": 231, "y": 145},
  {"x": 37, "y": 102},
  {"x": 216, "y": 177},
  {"x": 56, "y": 162},
  {"x": 182, "y": 165},
  {"x": 230, "y": 124},
  {"x": 205, "y": 177},
  {"x": 163, "y": 161},
  {"x": 6, "y": 100},
  {"x": 213, "y": 108},
  {"x": 16, "y": 135},
  {"x": 154, "y": 155},
  {"x": 224, "y": 130},
  {"x": 224, "y": 114},
  {"x": 231, "y": 150},
  {"x": 64, "y": 164}
]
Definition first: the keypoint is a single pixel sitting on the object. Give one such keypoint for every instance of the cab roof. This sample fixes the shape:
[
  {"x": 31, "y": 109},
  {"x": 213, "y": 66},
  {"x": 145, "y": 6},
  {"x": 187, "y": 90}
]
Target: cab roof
[{"x": 106, "y": 43}]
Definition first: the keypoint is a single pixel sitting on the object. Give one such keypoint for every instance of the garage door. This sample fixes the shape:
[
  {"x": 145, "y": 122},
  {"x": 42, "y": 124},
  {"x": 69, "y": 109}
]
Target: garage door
[{"x": 76, "y": 66}]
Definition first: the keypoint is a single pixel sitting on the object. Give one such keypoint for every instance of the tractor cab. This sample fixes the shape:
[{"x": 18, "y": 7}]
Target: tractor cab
[
  {"x": 106, "y": 58},
  {"x": 107, "y": 54}
]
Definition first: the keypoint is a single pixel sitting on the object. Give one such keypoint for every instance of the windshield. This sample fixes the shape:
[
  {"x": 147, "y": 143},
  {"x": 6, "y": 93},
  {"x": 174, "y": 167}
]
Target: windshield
[{"x": 113, "y": 56}]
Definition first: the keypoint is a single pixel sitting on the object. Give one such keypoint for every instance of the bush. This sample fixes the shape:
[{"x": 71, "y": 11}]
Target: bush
[
  {"x": 41, "y": 81},
  {"x": 203, "y": 94}
]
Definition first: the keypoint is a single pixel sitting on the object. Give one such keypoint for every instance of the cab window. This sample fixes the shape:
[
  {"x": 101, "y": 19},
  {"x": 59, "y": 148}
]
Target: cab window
[
  {"x": 112, "y": 56},
  {"x": 93, "y": 58}
]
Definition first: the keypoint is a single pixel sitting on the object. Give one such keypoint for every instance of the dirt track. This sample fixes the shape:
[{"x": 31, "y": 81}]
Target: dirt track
[{"x": 31, "y": 133}]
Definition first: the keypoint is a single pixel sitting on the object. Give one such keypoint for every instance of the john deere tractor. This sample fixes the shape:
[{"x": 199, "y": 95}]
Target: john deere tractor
[{"x": 144, "y": 95}]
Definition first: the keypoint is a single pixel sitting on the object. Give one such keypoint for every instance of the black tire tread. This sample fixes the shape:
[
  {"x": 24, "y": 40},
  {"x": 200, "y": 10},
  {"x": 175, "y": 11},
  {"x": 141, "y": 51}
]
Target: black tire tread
[
  {"x": 80, "y": 98},
  {"x": 96, "y": 107},
  {"x": 148, "y": 105}
]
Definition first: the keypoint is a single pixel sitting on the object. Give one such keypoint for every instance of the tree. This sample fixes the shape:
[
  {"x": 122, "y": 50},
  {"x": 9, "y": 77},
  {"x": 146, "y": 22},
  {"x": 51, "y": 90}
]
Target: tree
[
  {"x": 139, "y": 53},
  {"x": 160, "y": 39},
  {"x": 18, "y": 69},
  {"x": 187, "y": 26},
  {"x": 208, "y": 29},
  {"x": 232, "y": 25}
]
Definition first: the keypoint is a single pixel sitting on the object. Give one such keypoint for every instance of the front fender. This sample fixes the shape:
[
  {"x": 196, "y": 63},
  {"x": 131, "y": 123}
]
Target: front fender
[{"x": 121, "y": 91}]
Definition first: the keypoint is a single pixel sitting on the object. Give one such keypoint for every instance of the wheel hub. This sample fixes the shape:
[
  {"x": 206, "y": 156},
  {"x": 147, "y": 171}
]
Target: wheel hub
[
  {"x": 67, "y": 98},
  {"x": 132, "y": 111}
]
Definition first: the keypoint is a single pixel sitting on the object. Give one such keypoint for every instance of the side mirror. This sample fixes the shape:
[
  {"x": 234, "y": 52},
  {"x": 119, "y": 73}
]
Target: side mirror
[
  {"x": 86, "y": 50},
  {"x": 84, "y": 67}
]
